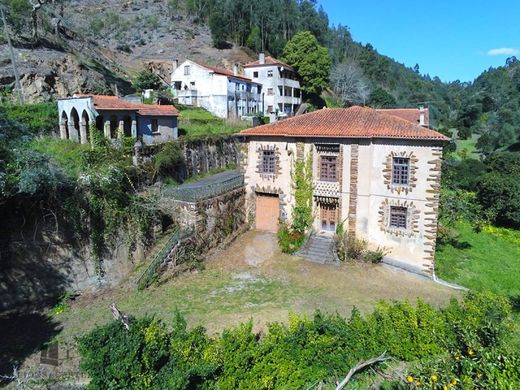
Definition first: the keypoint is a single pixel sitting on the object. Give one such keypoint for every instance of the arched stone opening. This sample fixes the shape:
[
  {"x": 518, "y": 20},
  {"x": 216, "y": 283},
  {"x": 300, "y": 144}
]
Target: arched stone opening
[
  {"x": 100, "y": 123},
  {"x": 64, "y": 122},
  {"x": 127, "y": 126},
  {"x": 114, "y": 126},
  {"x": 74, "y": 125},
  {"x": 84, "y": 128}
]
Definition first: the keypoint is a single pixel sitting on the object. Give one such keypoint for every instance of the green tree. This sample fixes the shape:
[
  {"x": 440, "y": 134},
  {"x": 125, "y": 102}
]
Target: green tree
[
  {"x": 499, "y": 189},
  {"x": 310, "y": 60},
  {"x": 382, "y": 99},
  {"x": 146, "y": 79}
]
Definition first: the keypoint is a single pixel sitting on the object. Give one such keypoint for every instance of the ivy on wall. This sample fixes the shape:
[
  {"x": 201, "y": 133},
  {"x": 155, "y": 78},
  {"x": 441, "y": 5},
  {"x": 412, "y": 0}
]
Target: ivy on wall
[{"x": 291, "y": 237}]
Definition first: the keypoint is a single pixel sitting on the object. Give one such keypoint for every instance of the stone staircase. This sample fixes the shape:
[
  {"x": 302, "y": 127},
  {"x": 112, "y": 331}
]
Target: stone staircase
[{"x": 319, "y": 248}]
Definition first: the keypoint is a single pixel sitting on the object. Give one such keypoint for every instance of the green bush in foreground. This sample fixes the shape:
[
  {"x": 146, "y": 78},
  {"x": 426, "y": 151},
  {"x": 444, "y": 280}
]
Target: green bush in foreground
[{"x": 307, "y": 351}]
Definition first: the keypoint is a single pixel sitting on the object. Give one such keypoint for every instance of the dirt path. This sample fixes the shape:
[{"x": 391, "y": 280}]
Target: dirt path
[{"x": 251, "y": 279}]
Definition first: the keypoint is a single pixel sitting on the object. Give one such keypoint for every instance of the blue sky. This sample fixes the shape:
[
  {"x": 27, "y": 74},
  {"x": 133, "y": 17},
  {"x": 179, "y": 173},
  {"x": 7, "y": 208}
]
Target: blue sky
[{"x": 455, "y": 39}]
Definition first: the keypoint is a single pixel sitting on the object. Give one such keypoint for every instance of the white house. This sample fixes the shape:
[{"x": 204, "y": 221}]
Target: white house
[
  {"x": 377, "y": 173},
  {"x": 224, "y": 93},
  {"x": 280, "y": 85}
]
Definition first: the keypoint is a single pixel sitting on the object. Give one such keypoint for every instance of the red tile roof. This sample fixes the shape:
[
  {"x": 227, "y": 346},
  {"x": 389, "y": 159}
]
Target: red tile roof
[
  {"x": 353, "y": 122},
  {"x": 409, "y": 114},
  {"x": 113, "y": 103},
  {"x": 269, "y": 61},
  {"x": 222, "y": 71}
]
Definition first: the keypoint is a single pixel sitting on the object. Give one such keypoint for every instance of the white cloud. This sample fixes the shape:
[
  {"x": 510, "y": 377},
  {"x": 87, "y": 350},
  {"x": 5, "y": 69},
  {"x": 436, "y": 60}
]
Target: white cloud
[{"x": 503, "y": 51}]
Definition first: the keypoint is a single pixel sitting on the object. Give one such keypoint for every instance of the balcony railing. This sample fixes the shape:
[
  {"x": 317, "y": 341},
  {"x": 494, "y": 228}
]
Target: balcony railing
[{"x": 207, "y": 188}]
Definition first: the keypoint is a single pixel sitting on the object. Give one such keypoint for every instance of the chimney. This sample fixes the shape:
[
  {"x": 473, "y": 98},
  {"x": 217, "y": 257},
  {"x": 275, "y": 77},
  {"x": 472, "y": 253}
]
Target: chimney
[
  {"x": 261, "y": 58},
  {"x": 235, "y": 70},
  {"x": 175, "y": 65},
  {"x": 422, "y": 116}
]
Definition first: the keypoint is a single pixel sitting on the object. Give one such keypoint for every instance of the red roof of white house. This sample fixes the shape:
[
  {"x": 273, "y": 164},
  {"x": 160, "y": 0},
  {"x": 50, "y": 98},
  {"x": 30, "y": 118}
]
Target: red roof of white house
[
  {"x": 114, "y": 103},
  {"x": 269, "y": 61},
  {"x": 223, "y": 72},
  {"x": 410, "y": 114},
  {"x": 353, "y": 122}
]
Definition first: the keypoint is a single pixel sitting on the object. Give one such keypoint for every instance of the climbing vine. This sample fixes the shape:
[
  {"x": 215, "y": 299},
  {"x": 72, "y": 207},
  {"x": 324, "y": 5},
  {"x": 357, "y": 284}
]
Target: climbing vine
[{"x": 291, "y": 237}]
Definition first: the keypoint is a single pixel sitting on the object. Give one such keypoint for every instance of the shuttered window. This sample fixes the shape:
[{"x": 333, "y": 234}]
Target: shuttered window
[
  {"x": 400, "y": 171},
  {"x": 398, "y": 217},
  {"x": 328, "y": 168},
  {"x": 268, "y": 161}
]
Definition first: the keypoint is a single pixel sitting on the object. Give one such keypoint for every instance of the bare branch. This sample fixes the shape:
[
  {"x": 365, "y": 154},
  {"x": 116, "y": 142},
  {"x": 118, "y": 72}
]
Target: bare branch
[{"x": 361, "y": 366}]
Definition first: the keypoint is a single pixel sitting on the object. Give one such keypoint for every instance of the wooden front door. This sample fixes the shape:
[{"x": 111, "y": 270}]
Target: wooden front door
[
  {"x": 329, "y": 217},
  {"x": 267, "y": 212}
]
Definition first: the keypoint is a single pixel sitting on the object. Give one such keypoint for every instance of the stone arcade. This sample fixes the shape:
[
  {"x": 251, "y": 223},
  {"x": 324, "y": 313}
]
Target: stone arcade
[{"x": 116, "y": 117}]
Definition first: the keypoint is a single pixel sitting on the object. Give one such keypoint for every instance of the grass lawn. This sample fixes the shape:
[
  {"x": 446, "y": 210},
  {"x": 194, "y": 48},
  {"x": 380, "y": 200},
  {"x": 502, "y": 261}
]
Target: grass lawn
[
  {"x": 198, "y": 122},
  {"x": 468, "y": 146},
  {"x": 252, "y": 280},
  {"x": 489, "y": 260}
]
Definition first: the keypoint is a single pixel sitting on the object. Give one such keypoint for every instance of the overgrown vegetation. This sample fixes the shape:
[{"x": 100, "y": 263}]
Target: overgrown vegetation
[
  {"x": 307, "y": 351},
  {"x": 291, "y": 237},
  {"x": 350, "y": 248},
  {"x": 196, "y": 122},
  {"x": 88, "y": 190}
]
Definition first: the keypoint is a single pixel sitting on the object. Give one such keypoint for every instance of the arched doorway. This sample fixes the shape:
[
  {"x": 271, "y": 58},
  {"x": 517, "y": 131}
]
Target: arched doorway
[
  {"x": 64, "y": 126},
  {"x": 100, "y": 123},
  {"x": 127, "y": 126},
  {"x": 114, "y": 125},
  {"x": 74, "y": 121}
]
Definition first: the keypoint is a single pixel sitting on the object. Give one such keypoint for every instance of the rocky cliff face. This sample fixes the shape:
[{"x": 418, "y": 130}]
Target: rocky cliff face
[{"x": 101, "y": 44}]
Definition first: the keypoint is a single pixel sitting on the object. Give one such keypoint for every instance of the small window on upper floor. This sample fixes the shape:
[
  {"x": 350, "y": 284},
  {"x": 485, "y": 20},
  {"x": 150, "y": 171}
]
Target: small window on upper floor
[
  {"x": 270, "y": 73},
  {"x": 255, "y": 74},
  {"x": 268, "y": 161},
  {"x": 186, "y": 70},
  {"x": 328, "y": 168},
  {"x": 269, "y": 92},
  {"x": 398, "y": 217},
  {"x": 401, "y": 171}
]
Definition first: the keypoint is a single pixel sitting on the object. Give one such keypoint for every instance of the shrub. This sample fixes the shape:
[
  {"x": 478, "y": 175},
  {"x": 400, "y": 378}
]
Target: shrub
[
  {"x": 169, "y": 160},
  {"x": 462, "y": 342},
  {"x": 289, "y": 239}
]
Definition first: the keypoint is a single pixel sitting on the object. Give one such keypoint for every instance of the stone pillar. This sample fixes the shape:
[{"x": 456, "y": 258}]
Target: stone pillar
[
  {"x": 63, "y": 130},
  {"x": 106, "y": 129},
  {"x": 73, "y": 133},
  {"x": 83, "y": 132},
  {"x": 121, "y": 129},
  {"x": 134, "y": 128}
]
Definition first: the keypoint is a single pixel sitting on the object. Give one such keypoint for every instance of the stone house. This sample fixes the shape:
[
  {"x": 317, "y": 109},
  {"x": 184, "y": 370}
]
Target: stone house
[
  {"x": 376, "y": 173},
  {"x": 282, "y": 94},
  {"x": 222, "y": 92},
  {"x": 115, "y": 117}
]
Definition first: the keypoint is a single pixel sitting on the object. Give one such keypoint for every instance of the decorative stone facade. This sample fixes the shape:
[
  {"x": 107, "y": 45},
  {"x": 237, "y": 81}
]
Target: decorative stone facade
[
  {"x": 277, "y": 166},
  {"x": 412, "y": 218},
  {"x": 432, "y": 209},
  {"x": 388, "y": 171}
]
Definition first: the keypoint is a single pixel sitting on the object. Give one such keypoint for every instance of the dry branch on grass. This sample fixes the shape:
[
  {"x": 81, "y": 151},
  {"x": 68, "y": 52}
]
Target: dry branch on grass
[{"x": 361, "y": 366}]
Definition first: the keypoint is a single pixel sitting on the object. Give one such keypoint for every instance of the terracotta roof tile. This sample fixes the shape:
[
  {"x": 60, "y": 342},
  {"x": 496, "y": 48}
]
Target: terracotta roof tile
[
  {"x": 353, "y": 122},
  {"x": 409, "y": 114},
  {"x": 222, "y": 71},
  {"x": 268, "y": 61},
  {"x": 105, "y": 102}
]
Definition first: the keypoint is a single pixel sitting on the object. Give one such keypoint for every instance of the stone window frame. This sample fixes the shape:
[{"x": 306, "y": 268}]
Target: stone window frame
[
  {"x": 260, "y": 161},
  {"x": 388, "y": 172},
  {"x": 412, "y": 218}
]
